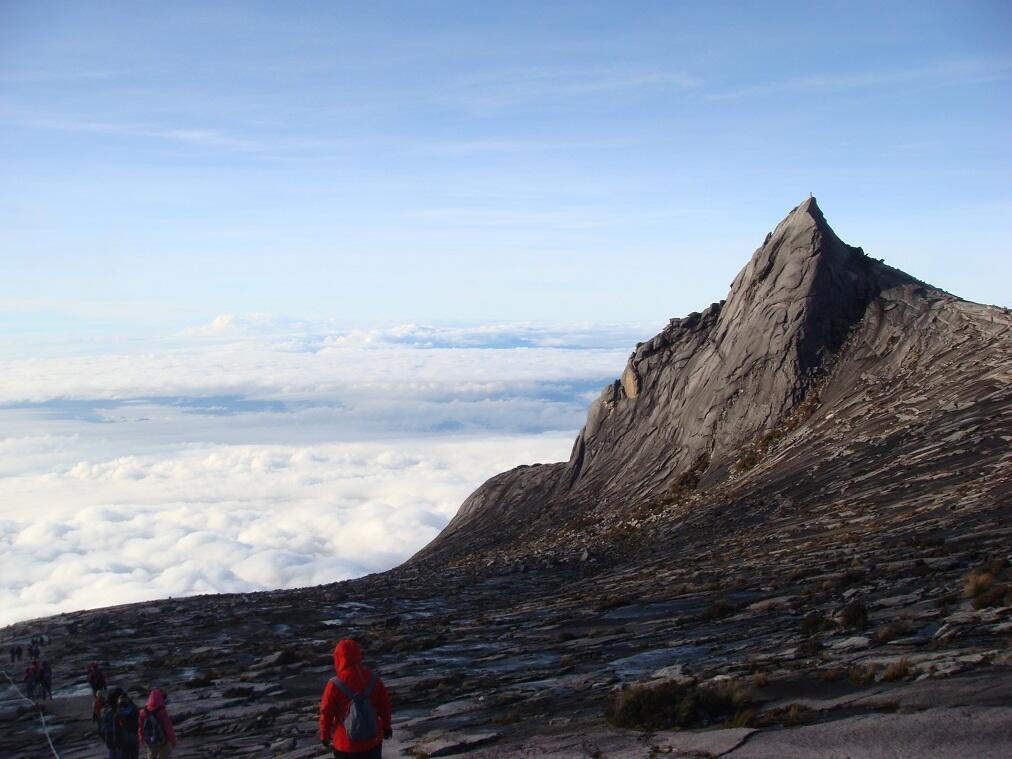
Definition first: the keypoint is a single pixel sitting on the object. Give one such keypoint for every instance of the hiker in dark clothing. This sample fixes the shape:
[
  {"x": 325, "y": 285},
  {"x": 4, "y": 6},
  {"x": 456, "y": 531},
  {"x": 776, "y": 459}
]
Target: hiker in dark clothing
[
  {"x": 32, "y": 678},
  {"x": 95, "y": 678},
  {"x": 117, "y": 726},
  {"x": 47, "y": 680},
  {"x": 17, "y": 650},
  {"x": 355, "y": 708},
  {"x": 14, "y": 654},
  {"x": 107, "y": 728},
  {"x": 126, "y": 721}
]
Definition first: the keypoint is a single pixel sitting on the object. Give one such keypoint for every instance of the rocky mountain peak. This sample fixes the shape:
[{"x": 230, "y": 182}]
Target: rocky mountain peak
[
  {"x": 693, "y": 399},
  {"x": 707, "y": 384}
]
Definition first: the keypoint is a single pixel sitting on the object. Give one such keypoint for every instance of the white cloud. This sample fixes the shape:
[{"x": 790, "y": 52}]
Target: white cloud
[
  {"x": 234, "y": 518},
  {"x": 257, "y": 453}
]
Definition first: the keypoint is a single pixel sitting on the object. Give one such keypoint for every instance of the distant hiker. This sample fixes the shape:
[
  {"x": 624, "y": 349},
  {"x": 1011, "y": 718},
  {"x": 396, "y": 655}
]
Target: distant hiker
[
  {"x": 108, "y": 730},
  {"x": 154, "y": 727},
  {"x": 14, "y": 654},
  {"x": 96, "y": 679},
  {"x": 126, "y": 722},
  {"x": 355, "y": 708},
  {"x": 17, "y": 650},
  {"x": 47, "y": 680},
  {"x": 32, "y": 679}
]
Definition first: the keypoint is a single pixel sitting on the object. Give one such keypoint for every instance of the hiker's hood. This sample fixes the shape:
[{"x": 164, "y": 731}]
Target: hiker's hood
[
  {"x": 347, "y": 655},
  {"x": 155, "y": 700}
]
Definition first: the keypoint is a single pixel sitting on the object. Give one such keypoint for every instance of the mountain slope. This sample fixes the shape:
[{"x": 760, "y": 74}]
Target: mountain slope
[{"x": 805, "y": 320}]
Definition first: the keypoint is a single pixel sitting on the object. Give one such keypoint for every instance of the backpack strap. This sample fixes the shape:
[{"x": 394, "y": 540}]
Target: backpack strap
[
  {"x": 371, "y": 685},
  {"x": 336, "y": 682}
]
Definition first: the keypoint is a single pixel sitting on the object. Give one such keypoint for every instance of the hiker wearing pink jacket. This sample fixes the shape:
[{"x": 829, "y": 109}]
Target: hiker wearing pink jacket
[{"x": 154, "y": 727}]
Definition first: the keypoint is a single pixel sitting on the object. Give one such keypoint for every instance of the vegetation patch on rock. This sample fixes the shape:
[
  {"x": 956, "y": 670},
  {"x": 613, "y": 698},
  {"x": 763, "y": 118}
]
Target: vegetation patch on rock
[{"x": 669, "y": 705}]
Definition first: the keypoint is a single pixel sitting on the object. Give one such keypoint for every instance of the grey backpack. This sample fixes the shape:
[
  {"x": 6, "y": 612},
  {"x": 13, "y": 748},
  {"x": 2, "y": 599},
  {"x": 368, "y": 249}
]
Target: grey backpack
[{"x": 360, "y": 722}]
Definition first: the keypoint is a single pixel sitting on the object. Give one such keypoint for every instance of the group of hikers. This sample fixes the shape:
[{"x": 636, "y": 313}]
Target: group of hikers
[
  {"x": 355, "y": 715},
  {"x": 123, "y": 727},
  {"x": 38, "y": 677}
]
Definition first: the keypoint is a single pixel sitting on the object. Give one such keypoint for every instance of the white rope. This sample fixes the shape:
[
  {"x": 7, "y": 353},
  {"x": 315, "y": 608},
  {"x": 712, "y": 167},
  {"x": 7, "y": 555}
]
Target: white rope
[{"x": 42, "y": 714}]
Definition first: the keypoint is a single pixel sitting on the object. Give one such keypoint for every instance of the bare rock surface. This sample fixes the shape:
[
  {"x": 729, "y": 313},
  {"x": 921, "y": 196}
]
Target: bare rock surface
[
  {"x": 803, "y": 492},
  {"x": 938, "y": 733}
]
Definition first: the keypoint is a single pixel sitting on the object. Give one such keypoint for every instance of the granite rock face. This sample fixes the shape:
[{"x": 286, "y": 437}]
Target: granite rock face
[{"x": 804, "y": 321}]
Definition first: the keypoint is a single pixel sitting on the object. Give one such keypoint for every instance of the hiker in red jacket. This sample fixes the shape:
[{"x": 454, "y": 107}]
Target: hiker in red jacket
[
  {"x": 348, "y": 699},
  {"x": 95, "y": 678},
  {"x": 154, "y": 727}
]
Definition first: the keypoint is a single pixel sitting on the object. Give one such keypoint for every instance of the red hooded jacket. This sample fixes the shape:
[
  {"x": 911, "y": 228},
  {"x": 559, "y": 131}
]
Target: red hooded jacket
[
  {"x": 156, "y": 706},
  {"x": 334, "y": 704}
]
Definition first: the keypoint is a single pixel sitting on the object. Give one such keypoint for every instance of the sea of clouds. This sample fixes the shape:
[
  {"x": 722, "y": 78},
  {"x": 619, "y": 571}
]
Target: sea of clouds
[{"x": 255, "y": 453}]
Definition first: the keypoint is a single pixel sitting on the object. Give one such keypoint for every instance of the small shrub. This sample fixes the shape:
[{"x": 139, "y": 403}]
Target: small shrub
[
  {"x": 510, "y": 717},
  {"x": 861, "y": 674},
  {"x": 793, "y": 714},
  {"x": 687, "y": 482},
  {"x": 854, "y": 615},
  {"x": 983, "y": 586},
  {"x": 888, "y": 633},
  {"x": 898, "y": 670},
  {"x": 760, "y": 680},
  {"x": 719, "y": 609},
  {"x": 810, "y": 646},
  {"x": 741, "y": 719},
  {"x": 999, "y": 595},
  {"x": 748, "y": 460},
  {"x": 767, "y": 605},
  {"x": 796, "y": 714},
  {"x": 671, "y": 704},
  {"x": 606, "y": 603},
  {"x": 812, "y": 622},
  {"x": 830, "y": 675},
  {"x": 976, "y": 582}
]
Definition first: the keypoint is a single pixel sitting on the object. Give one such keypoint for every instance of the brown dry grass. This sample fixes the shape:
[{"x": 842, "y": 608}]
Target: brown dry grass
[
  {"x": 898, "y": 670},
  {"x": 864, "y": 673},
  {"x": 977, "y": 582}
]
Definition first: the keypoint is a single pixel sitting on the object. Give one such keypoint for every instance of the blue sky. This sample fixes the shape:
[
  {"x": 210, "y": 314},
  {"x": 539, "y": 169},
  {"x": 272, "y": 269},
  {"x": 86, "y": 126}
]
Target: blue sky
[
  {"x": 265, "y": 265},
  {"x": 168, "y": 162}
]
